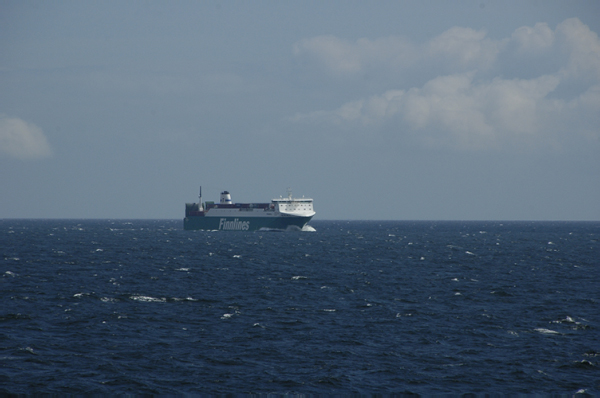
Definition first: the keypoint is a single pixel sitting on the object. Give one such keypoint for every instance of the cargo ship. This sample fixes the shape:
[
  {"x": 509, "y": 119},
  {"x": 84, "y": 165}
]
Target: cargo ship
[{"x": 283, "y": 213}]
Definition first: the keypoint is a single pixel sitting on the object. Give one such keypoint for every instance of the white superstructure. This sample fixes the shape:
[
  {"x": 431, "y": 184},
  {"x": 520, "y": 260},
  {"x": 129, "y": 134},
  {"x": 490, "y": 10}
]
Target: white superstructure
[{"x": 294, "y": 206}]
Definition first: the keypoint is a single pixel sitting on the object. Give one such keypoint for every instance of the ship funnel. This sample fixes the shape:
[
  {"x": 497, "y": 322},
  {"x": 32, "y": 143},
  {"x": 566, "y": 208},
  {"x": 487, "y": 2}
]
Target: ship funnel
[{"x": 226, "y": 198}]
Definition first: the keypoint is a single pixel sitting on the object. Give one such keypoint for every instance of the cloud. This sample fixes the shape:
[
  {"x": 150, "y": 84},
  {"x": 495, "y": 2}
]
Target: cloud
[
  {"x": 476, "y": 106},
  {"x": 536, "y": 39},
  {"x": 454, "y": 110},
  {"x": 465, "y": 47},
  {"x": 22, "y": 140},
  {"x": 457, "y": 47},
  {"x": 345, "y": 58},
  {"x": 582, "y": 47}
]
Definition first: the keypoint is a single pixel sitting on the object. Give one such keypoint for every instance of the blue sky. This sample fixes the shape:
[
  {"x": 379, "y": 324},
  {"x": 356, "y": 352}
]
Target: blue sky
[{"x": 472, "y": 110}]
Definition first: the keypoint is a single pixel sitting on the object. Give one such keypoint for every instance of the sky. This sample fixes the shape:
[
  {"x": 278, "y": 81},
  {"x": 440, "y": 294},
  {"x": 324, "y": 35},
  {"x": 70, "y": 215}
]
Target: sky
[{"x": 378, "y": 110}]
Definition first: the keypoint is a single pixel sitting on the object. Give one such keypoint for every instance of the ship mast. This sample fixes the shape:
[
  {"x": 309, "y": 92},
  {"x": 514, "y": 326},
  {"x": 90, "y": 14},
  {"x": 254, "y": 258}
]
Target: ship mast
[{"x": 200, "y": 206}]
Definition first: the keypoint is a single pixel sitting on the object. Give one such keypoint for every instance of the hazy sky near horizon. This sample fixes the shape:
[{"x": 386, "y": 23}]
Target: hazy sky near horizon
[{"x": 418, "y": 110}]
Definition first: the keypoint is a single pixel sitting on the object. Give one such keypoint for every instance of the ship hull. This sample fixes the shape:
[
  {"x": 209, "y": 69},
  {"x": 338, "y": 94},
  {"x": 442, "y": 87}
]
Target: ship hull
[{"x": 229, "y": 223}]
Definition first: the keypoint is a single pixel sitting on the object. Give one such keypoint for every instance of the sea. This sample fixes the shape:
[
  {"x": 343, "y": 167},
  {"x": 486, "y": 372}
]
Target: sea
[{"x": 359, "y": 308}]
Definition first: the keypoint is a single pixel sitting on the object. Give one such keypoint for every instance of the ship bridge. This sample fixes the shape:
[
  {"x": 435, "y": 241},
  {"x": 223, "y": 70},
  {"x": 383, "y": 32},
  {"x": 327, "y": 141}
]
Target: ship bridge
[{"x": 302, "y": 207}]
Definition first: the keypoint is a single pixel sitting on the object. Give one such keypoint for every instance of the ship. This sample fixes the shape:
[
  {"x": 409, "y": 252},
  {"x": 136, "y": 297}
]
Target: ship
[{"x": 281, "y": 214}]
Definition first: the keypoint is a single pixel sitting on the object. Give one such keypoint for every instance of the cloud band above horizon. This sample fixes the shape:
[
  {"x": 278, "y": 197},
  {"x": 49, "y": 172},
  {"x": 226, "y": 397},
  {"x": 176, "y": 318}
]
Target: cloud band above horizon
[{"x": 466, "y": 102}]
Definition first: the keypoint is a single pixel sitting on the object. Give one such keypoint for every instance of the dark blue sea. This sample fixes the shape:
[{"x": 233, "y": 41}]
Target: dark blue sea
[{"x": 428, "y": 308}]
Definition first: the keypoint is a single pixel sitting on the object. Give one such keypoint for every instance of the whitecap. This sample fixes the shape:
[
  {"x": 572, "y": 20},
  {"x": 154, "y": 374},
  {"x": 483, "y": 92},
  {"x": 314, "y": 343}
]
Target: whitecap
[
  {"x": 226, "y": 316},
  {"x": 308, "y": 228},
  {"x": 148, "y": 299},
  {"x": 468, "y": 252},
  {"x": 9, "y": 273},
  {"x": 546, "y": 331},
  {"x": 108, "y": 300},
  {"x": 183, "y": 299},
  {"x": 584, "y": 362},
  {"x": 298, "y": 277},
  {"x": 568, "y": 319}
]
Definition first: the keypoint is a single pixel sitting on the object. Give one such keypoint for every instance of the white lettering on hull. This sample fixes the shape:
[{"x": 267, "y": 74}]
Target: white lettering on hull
[{"x": 235, "y": 225}]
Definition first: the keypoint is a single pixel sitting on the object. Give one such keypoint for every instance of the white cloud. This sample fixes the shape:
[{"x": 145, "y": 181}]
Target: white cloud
[
  {"x": 22, "y": 140},
  {"x": 453, "y": 110},
  {"x": 460, "y": 47},
  {"x": 465, "y": 47},
  {"x": 583, "y": 48},
  {"x": 468, "y": 108},
  {"x": 536, "y": 39}
]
